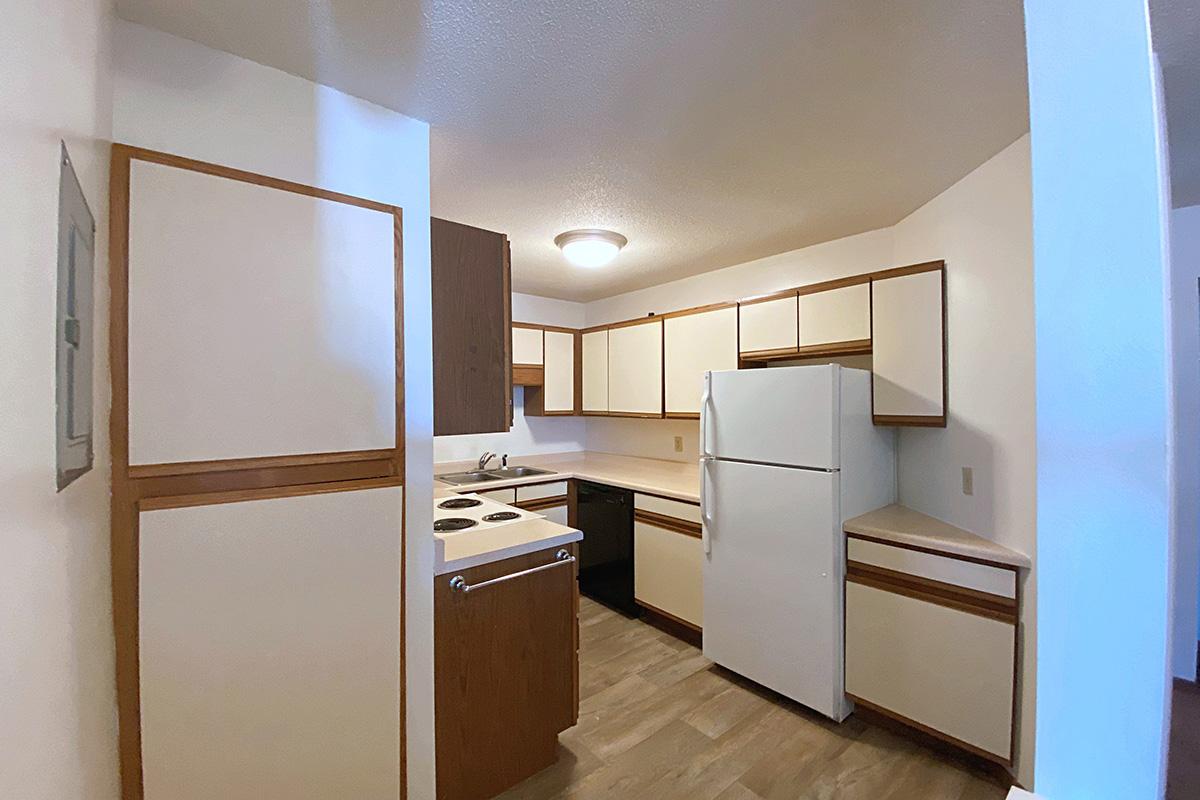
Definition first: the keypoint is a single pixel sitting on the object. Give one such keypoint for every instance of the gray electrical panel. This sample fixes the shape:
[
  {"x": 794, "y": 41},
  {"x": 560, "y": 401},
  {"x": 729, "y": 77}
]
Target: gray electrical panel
[{"x": 73, "y": 392}]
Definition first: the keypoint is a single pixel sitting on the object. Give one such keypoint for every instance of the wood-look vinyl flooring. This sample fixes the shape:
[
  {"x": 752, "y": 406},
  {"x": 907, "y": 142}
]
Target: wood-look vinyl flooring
[{"x": 658, "y": 720}]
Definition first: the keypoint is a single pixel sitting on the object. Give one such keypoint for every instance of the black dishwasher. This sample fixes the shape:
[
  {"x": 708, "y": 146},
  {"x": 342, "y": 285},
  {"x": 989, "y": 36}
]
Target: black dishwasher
[{"x": 606, "y": 552}]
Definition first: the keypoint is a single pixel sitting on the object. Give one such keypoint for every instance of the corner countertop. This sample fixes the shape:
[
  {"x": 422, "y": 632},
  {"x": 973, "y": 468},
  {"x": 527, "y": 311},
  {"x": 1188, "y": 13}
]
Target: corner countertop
[
  {"x": 466, "y": 549},
  {"x": 679, "y": 480},
  {"x": 902, "y": 525}
]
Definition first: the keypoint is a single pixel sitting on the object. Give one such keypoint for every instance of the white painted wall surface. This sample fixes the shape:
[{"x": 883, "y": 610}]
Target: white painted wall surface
[
  {"x": 180, "y": 97},
  {"x": 57, "y": 701},
  {"x": 529, "y": 435},
  {"x": 1100, "y": 209},
  {"x": 982, "y": 227},
  {"x": 1184, "y": 292}
]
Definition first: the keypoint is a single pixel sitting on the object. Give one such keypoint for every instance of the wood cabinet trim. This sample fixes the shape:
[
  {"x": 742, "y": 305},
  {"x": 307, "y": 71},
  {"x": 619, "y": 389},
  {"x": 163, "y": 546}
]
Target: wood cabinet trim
[
  {"x": 133, "y": 492},
  {"x": 911, "y": 269},
  {"x": 686, "y": 312},
  {"x": 958, "y": 598},
  {"x": 774, "y": 354},
  {"x": 528, "y": 375},
  {"x": 979, "y": 752},
  {"x": 766, "y": 298},
  {"x": 667, "y": 622},
  {"x": 532, "y": 326},
  {"x": 837, "y": 283},
  {"x": 933, "y": 551},
  {"x": 542, "y": 503},
  {"x": 856, "y": 347},
  {"x": 682, "y": 415},
  {"x": 673, "y": 524}
]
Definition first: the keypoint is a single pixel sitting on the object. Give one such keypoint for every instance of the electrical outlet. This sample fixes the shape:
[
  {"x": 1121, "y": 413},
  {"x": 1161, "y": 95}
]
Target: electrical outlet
[
  {"x": 678, "y": 444},
  {"x": 968, "y": 480}
]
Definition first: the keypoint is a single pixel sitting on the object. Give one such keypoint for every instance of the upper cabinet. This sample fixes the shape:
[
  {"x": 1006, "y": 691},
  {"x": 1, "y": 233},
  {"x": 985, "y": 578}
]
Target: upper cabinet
[
  {"x": 635, "y": 369},
  {"x": 768, "y": 326},
  {"x": 594, "y": 358},
  {"x": 559, "y": 388},
  {"x": 694, "y": 343},
  {"x": 836, "y": 321},
  {"x": 527, "y": 354},
  {"x": 908, "y": 326},
  {"x": 472, "y": 338},
  {"x": 215, "y": 372}
]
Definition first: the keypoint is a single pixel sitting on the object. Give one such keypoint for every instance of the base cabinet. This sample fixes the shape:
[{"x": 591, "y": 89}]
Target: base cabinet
[
  {"x": 507, "y": 668},
  {"x": 668, "y": 572}
]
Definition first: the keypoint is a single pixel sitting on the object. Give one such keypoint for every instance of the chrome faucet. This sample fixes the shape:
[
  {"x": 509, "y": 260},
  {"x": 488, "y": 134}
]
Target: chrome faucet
[{"x": 485, "y": 458}]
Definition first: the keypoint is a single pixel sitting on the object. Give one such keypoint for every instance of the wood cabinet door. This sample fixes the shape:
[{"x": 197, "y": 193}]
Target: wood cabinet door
[
  {"x": 270, "y": 653},
  {"x": 261, "y": 319},
  {"x": 472, "y": 372},
  {"x": 668, "y": 571},
  {"x": 909, "y": 349},
  {"x": 946, "y": 669},
  {"x": 692, "y": 345},
  {"x": 595, "y": 372},
  {"x": 768, "y": 326},
  {"x": 839, "y": 316},
  {"x": 506, "y": 665},
  {"x": 558, "y": 380},
  {"x": 527, "y": 345},
  {"x": 635, "y": 369}
]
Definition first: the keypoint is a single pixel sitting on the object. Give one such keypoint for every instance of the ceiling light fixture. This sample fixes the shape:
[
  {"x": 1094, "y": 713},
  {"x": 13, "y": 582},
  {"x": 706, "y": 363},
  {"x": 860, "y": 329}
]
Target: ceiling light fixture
[{"x": 590, "y": 247}]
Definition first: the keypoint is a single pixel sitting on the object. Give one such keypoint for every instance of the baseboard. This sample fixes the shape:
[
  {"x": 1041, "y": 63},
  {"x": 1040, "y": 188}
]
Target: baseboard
[{"x": 669, "y": 623}]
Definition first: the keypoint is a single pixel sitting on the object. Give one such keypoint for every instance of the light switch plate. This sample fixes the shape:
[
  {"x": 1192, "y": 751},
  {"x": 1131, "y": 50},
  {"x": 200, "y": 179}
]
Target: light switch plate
[
  {"x": 968, "y": 480},
  {"x": 678, "y": 444}
]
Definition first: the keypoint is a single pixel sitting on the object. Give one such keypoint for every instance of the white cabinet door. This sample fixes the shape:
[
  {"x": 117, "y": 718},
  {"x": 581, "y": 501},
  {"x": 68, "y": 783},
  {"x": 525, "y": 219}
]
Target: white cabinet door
[
  {"x": 527, "y": 345},
  {"x": 692, "y": 345},
  {"x": 668, "y": 572},
  {"x": 944, "y": 668},
  {"x": 768, "y": 325},
  {"x": 595, "y": 371},
  {"x": 908, "y": 348},
  {"x": 556, "y": 514},
  {"x": 635, "y": 369},
  {"x": 558, "y": 381},
  {"x": 247, "y": 615},
  {"x": 262, "y": 322},
  {"x": 836, "y": 315}
]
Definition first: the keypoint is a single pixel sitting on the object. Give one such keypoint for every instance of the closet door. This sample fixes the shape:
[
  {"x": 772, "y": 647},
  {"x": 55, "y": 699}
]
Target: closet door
[
  {"x": 261, "y": 318},
  {"x": 248, "y": 615},
  {"x": 692, "y": 345},
  {"x": 908, "y": 376},
  {"x": 635, "y": 369},
  {"x": 595, "y": 372}
]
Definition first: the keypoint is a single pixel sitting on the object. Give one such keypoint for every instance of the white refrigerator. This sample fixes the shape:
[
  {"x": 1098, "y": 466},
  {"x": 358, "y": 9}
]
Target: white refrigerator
[{"x": 787, "y": 454}]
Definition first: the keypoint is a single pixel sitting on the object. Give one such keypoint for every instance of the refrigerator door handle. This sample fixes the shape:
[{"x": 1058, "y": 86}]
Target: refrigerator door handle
[
  {"x": 705, "y": 520},
  {"x": 705, "y": 400}
]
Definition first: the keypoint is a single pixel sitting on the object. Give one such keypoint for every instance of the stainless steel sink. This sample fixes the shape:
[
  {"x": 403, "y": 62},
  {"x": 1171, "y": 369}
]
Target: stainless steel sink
[
  {"x": 473, "y": 476},
  {"x": 519, "y": 472}
]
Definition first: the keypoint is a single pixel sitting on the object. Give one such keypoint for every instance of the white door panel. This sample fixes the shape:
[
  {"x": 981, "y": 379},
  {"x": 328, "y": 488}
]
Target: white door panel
[
  {"x": 595, "y": 371},
  {"x": 783, "y": 415},
  {"x": 772, "y": 579}
]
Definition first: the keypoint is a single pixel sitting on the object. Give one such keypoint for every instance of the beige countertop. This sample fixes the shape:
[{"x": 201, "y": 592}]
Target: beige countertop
[
  {"x": 903, "y": 525},
  {"x": 466, "y": 549},
  {"x": 676, "y": 479}
]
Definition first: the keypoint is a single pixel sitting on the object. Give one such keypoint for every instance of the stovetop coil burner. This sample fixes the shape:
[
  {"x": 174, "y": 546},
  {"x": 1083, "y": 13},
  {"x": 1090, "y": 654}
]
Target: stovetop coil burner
[
  {"x": 453, "y": 524},
  {"x": 501, "y": 516},
  {"x": 460, "y": 502}
]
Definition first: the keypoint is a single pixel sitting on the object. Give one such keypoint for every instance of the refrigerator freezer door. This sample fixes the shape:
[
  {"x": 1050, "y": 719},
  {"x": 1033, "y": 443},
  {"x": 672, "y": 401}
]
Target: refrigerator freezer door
[
  {"x": 785, "y": 415},
  {"x": 772, "y": 580}
]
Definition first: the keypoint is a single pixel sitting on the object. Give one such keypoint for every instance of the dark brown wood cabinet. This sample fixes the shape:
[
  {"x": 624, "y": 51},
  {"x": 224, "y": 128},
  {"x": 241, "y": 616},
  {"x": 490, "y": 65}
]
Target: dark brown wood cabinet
[
  {"x": 472, "y": 334},
  {"x": 507, "y": 672}
]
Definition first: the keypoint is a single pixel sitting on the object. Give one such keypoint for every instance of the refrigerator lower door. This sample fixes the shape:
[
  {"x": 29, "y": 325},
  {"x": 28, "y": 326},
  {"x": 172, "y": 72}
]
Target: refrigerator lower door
[
  {"x": 786, "y": 415},
  {"x": 773, "y": 579}
]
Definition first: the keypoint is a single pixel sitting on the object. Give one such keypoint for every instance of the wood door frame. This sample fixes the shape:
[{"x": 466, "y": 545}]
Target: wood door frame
[{"x": 177, "y": 485}]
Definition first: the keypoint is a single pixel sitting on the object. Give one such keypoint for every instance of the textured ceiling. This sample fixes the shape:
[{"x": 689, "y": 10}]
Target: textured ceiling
[
  {"x": 1176, "y": 27},
  {"x": 709, "y": 133}
]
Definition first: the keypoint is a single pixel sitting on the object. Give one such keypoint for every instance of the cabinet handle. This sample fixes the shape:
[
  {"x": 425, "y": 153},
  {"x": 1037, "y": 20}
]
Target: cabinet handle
[{"x": 459, "y": 584}]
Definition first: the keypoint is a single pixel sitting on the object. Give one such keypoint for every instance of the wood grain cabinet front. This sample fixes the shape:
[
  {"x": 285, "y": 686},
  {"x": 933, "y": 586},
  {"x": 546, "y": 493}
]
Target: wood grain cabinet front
[
  {"x": 472, "y": 338},
  {"x": 506, "y": 672}
]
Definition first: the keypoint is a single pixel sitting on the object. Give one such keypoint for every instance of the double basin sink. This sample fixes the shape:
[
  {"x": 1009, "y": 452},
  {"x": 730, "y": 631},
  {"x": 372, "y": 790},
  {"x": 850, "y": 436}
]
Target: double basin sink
[{"x": 485, "y": 475}]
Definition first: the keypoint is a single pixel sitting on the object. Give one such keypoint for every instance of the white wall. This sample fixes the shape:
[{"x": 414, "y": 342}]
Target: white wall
[
  {"x": 982, "y": 226},
  {"x": 1103, "y": 550},
  {"x": 57, "y": 701},
  {"x": 529, "y": 435},
  {"x": 1184, "y": 308},
  {"x": 180, "y": 97}
]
